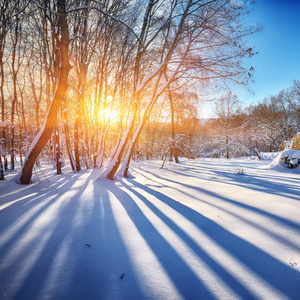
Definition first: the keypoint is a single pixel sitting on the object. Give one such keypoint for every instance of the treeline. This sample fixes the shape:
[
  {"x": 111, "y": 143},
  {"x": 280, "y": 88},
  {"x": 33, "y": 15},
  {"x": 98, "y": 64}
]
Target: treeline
[
  {"x": 97, "y": 79},
  {"x": 268, "y": 125}
]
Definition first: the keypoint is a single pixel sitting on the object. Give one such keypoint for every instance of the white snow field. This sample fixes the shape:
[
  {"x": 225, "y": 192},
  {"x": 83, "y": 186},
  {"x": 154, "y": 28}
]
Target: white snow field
[{"x": 200, "y": 229}]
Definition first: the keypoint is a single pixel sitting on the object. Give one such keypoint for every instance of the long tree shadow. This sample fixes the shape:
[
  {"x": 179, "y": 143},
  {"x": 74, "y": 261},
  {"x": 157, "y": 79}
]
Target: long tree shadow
[
  {"x": 256, "y": 182},
  {"x": 78, "y": 255},
  {"x": 260, "y": 184},
  {"x": 219, "y": 206},
  {"x": 98, "y": 271},
  {"x": 35, "y": 250},
  {"x": 17, "y": 212},
  {"x": 231, "y": 201},
  {"x": 11, "y": 191},
  {"x": 62, "y": 228},
  {"x": 277, "y": 274},
  {"x": 185, "y": 280},
  {"x": 82, "y": 254},
  {"x": 230, "y": 280}
]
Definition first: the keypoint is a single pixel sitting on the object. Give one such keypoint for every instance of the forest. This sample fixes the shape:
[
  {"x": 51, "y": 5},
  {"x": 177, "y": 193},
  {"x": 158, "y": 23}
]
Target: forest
[
  {"x": 114, "y": 183},
  {"x": 88, "y": 82}
]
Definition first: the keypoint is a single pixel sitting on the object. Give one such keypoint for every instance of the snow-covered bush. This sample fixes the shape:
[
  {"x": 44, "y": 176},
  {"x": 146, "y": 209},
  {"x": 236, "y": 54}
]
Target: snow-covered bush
[
  {"x": 291, "y": 158},
  {"x": 238, "y": 150},
  {"x": 179, "y": 145}
]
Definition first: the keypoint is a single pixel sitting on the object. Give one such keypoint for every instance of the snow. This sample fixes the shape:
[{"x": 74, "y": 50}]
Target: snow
[
  {"x": 291, "y": 154},
  {"x": 278, "y": 162},
  {"x": 35, "y": 141},
  {"x": 194, "y": 230}
]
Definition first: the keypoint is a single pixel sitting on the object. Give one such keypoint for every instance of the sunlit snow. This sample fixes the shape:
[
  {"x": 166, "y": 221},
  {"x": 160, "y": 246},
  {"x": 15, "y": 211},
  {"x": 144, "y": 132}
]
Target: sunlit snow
[{"x": 194, "y": 230}]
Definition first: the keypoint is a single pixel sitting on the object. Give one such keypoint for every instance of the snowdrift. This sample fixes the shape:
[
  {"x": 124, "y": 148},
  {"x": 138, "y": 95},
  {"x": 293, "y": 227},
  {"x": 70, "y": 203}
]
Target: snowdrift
[
  {"x": 194, "y": 230},
  {"x": 287, "y": 160}
]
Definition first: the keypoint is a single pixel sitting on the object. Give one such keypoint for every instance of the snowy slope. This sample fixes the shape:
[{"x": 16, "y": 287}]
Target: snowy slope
[{"x": 196, "y": 230}]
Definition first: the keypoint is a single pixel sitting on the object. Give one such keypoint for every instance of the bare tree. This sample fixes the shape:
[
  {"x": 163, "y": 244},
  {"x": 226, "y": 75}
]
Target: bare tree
[
  {"x": 4, "y": 27},
  {"x": 9, "y": 18},
  {"x": 61, "y": 33},
  {"x": 179, "y": 44},
  {"x": 203, "y": 42},
  {"x": 226, "y": 109}
]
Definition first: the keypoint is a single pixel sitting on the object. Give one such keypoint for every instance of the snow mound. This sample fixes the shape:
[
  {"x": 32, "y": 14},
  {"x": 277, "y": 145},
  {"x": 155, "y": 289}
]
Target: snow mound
[
  {"x": 269, "y": 155},
  {"x": 288, "y": 159}
]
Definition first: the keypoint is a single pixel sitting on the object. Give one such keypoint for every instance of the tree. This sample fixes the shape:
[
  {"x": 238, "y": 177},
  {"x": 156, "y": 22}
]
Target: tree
[
  {"x": 9, "y": 18},
  {"x": 255, "y": 131},
  {"x": 132, "y": 56},
  {"x": 61, "y": 35},
  {"x": 55, "y": 13},
  {"x": 4, "y": 21},
  {"x": 270, "y": 118},
  {"x": 6, "y": 13},
  {"x": 203, "y": 42},
  {"x": 294, "y": 102},
  {"x": 226, "y": 108}
]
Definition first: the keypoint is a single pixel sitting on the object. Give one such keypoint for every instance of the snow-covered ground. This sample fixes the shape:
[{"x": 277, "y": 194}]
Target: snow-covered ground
[{"x": 201, "y": 229}]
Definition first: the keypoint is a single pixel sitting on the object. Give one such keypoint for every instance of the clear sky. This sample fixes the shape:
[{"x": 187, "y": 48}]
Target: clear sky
[{"x": 278, "y": 62}]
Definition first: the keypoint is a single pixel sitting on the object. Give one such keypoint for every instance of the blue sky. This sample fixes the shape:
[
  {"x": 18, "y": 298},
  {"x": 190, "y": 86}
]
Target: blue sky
[{"x": 278, "y": 62}]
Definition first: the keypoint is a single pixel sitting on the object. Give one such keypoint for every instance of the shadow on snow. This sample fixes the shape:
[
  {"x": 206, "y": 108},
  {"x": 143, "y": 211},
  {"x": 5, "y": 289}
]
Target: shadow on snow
[{"x": 81, "y": 254}]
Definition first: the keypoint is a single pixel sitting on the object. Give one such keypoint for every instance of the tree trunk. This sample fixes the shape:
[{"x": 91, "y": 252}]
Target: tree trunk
[
  {"x": 37, "y": 119},
  {"x": 101, "y": 145},
  {"x": 1, "y": 168},
  {"x": 45, "y": 133},
  {"x": 145, "y": 117},
  {"x": 57, "y": 150},
  {"x": 125, "y": 166},
  {"x": 12, "y": 135},
  {"x": 257, "y": 153},
  {"x": 227, "y": 150},
  {"x": 76, "y": 143},
  {"x": 20, "y": 135},
  {"x": 12, "y": 119},
  {"x": 117, "y": 157},
  {"x": 173, "y": 152},
  {"x": 116, "y": 160},
  {"x": 15, "y": 39},
  {"x": 67, "y": 137},
  {"x": 3, "y": 135}
]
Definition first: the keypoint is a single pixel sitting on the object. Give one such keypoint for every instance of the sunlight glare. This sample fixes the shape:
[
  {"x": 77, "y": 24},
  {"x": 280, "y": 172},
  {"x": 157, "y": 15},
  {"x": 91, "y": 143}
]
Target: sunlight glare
[{"x": 110, "y": 115}]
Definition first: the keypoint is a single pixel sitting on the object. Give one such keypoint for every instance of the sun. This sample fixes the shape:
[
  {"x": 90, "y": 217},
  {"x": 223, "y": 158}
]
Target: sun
[{"x": 110, "y": 115}]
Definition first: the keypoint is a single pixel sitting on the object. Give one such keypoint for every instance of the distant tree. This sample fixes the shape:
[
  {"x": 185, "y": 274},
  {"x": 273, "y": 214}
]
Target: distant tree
[
  {"x": 226, "y": 108},
  {"x": 254, "y": 128},
  {"x": 271, "y": 121},
  {"x": 294, "y": 101}
]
